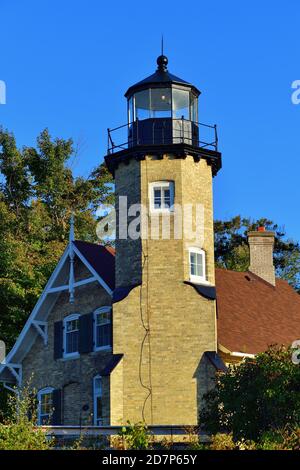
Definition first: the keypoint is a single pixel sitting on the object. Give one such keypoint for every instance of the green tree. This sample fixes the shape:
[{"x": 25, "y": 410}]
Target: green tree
[
  {"x": 232, "y": 251},
  {"x": 16, "y": 185},
  {"x": 60, "y": 193},
  {"x": 38, "y": 193},
  {"x": 255, "y": 397}
]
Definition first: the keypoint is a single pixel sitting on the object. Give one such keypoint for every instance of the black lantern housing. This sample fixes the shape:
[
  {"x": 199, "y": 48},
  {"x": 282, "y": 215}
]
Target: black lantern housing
[
  {"x": 162, "y": 109},
  {"x": 162, "y": 118}
]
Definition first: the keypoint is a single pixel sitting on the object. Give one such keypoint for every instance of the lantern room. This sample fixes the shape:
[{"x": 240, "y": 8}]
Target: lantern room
[
  {"x": 162, "y": 118},
  {"x": 162, "y": 109}
]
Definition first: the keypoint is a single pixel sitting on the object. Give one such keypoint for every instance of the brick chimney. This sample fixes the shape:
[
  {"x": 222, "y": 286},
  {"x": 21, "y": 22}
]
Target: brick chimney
[{"x": 261, "y": 245}]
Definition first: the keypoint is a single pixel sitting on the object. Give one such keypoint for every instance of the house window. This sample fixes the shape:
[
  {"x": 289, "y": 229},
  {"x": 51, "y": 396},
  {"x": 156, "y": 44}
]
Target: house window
[
  {"x": 102, "y": 331},
  {"x": 45, "y": 406},
  {"x": 197, "y": 265},
  {"x": 71, "y": 335},
  {"x": 162, "y": 196},
  {"x": 98, "y": 405}
]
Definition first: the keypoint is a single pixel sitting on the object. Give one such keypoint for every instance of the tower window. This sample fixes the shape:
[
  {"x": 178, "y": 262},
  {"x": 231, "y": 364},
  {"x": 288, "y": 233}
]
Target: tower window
[
  {"x": 71, "y": 335},
  {"x": 102, "y": 328},
  {"x": 197, "y": 265},
  {"x": 162, "y": 196}
]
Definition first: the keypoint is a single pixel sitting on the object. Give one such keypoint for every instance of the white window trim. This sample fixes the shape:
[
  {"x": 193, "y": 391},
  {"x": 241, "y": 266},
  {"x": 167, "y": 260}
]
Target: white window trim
[
  {"x": 95, "y": 396},
  {"x": 160, "y": 184},
  {"x": 72, "y": 355},
  {"x": 43, "y": 391},
  {"x": 194, "y": 278},
  {"x": 96, "y": 312}
]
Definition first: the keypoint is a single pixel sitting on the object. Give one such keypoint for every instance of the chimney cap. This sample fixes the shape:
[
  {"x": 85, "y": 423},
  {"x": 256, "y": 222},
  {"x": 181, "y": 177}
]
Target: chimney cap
[{"x": 261, "y": 233}]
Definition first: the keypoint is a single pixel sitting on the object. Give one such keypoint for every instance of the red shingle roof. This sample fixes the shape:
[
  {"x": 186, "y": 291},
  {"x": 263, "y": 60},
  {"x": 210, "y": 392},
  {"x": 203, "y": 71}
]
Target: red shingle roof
[{"x": 252, "y": 314}]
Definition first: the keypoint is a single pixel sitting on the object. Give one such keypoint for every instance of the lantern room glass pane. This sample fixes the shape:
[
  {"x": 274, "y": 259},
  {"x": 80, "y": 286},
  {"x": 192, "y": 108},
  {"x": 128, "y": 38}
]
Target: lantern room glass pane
[
  {"x": 153, "y": 103},
  {"x": 194, "y": 108},
  {"x": 181, "y": 104},
  {"x": 130, "y": 111},
  {"x": 160, "y": 101},
  {"x": 142, "y": 104}
]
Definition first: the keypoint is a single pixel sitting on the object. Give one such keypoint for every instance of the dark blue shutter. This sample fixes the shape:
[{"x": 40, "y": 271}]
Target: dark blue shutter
[
  {"x": 86, "y": 336},
  {"x": 57, "y": 407},
  {"x": 58, "y": 339}
]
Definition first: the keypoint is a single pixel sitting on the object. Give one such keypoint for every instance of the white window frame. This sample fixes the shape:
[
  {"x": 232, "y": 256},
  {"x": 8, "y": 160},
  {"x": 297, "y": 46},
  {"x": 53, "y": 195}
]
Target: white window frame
[
  {"x": 195, "y": 278},
  {"x": 97, "y": 394},
  {"x": 43, "y": 391},
  {"x": 161, "y": 185},
  {"x": 66, "y": 355},
  {"x": 96, "y": 313}
]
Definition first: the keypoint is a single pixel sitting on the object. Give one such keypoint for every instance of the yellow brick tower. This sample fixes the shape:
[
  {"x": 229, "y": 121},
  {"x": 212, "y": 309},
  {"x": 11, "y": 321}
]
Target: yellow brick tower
[{"x": 164, "y": 311}]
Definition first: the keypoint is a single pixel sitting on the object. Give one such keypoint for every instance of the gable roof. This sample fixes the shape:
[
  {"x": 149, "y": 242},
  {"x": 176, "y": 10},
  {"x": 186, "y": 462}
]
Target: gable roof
[
  {"x": 253, "y": 314},
  {"x": 101, "y": 258}
]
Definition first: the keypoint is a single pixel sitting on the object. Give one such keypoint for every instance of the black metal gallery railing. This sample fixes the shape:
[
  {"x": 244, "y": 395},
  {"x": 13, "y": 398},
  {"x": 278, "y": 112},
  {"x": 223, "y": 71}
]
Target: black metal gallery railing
[{"x": 162, "y": 131}]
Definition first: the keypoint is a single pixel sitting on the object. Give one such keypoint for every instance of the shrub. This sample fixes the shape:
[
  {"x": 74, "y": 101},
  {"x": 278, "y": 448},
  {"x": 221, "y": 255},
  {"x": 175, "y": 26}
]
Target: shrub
[
  {"x": 222, "y": 442},
  {"x": 255, "y": 397},
  {"x": 19, "y": 430},
  {"x": 280, "y": 439},
  {"x": 192, "y": 438},
  {"x": 133, "y": 436}
]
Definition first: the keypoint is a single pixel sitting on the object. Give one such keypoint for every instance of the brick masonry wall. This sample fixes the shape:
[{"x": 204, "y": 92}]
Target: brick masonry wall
[
  {"x": 116, "y": 395},
  {"x": 261, "y": 246},
  {"x": 182, "y": 323},
  {"x": 73, "y": 376}
]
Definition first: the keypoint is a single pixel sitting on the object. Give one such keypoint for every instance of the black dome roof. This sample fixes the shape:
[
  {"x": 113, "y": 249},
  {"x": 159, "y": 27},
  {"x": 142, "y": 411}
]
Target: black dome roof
[{"x": 161, "y": 77}]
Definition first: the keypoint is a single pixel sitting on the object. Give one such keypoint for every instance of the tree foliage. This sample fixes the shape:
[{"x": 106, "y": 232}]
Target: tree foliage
[
  {"x": 232, "y": 250},
  {"x": 258, "y": 396},
  {"x": 133, "y": 437},
  {"x": 19, "y": 430},
  {"x": 38, "y": 193}
]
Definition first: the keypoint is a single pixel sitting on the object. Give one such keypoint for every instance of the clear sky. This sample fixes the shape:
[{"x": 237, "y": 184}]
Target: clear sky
[{"x": 67, "y": 64}]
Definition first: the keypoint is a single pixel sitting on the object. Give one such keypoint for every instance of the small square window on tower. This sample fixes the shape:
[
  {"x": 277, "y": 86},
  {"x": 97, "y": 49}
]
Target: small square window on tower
[
  {"x": 161, "y": 195},
  {"x": 197, "y": 265}
]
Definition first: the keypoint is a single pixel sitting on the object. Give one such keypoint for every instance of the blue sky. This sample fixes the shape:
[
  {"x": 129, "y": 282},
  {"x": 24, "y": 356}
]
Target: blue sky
[{"x": 67, "y": 64}]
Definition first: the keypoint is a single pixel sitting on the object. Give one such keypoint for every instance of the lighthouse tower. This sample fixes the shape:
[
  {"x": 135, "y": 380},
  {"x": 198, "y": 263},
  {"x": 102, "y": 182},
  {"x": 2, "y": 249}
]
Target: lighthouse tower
[{"x": 164, "y": 311}]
